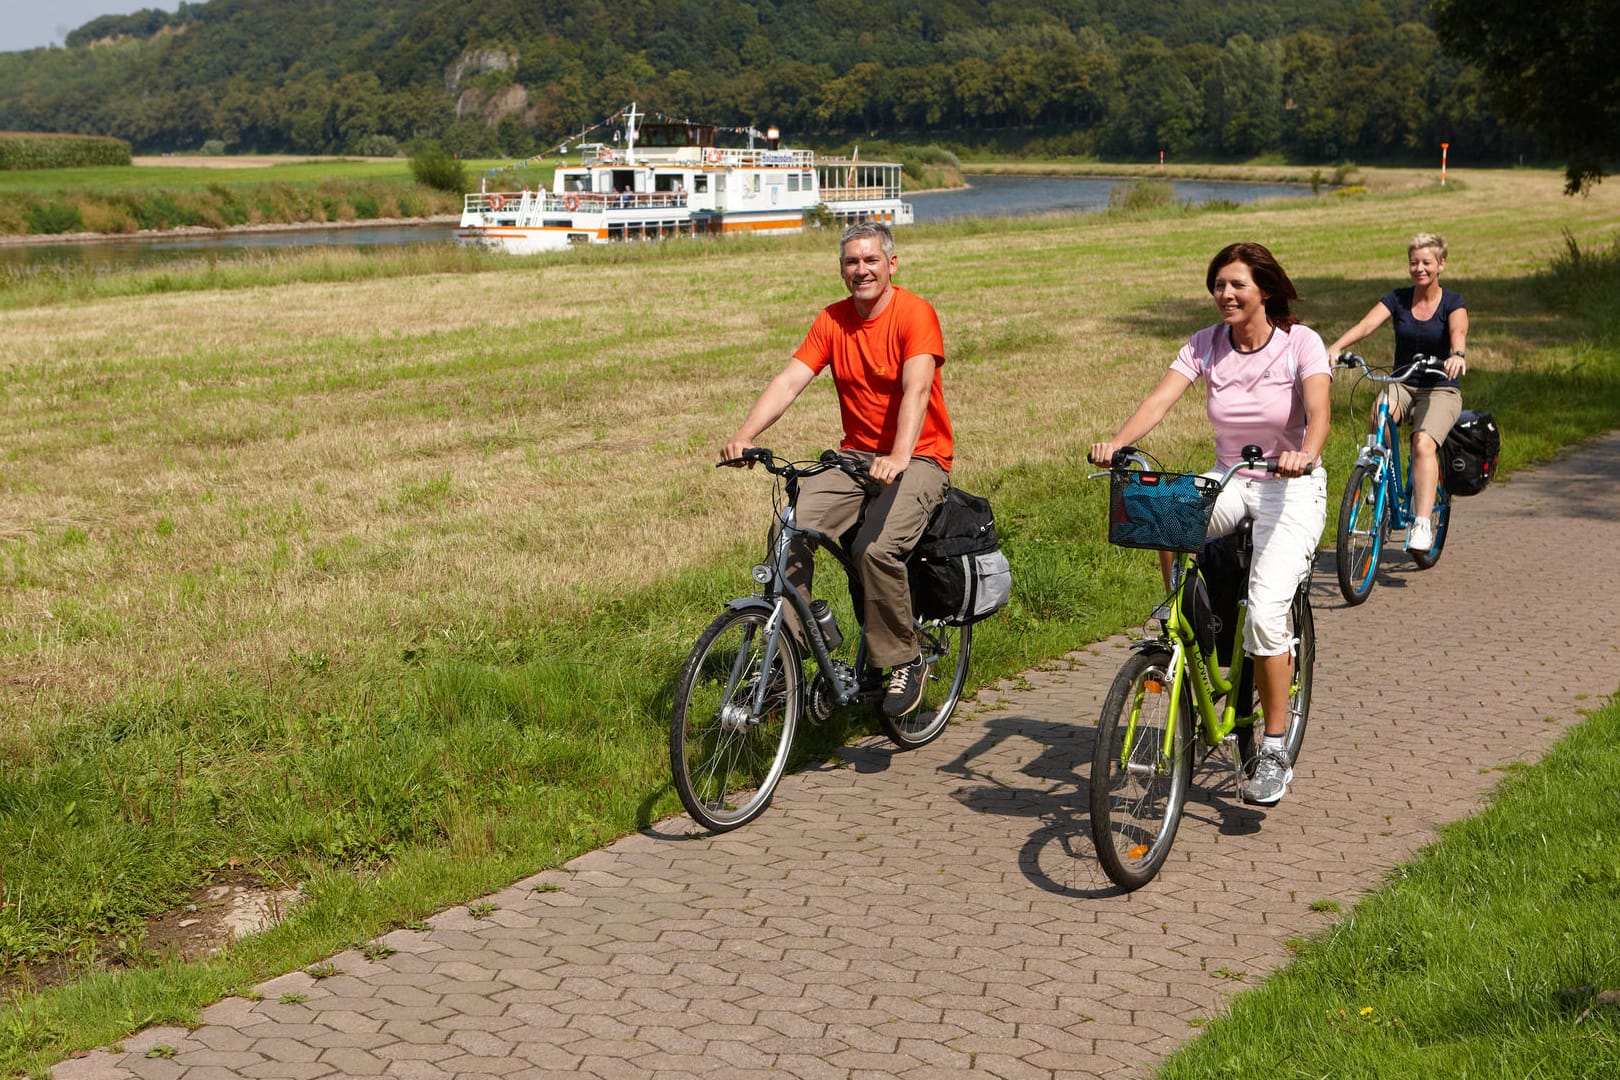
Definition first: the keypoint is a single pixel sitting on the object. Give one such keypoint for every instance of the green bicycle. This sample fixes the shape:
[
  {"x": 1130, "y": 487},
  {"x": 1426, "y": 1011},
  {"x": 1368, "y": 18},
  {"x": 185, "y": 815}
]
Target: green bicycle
[{"x": 1142, "y": 762}]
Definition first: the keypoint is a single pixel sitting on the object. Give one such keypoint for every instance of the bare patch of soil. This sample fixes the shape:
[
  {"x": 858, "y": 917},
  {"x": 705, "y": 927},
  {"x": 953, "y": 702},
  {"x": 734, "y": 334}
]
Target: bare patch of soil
[{"x": 214, "y": 916}]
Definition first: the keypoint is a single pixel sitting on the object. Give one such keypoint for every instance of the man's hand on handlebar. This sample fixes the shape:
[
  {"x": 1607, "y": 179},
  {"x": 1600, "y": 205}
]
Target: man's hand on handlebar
[
  {"x": 887, "y": 469},
  {"x": 732, "y": 453}
]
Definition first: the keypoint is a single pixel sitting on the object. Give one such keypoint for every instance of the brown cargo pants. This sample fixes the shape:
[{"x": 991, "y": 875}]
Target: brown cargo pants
[{"x": 895, "y": 517}]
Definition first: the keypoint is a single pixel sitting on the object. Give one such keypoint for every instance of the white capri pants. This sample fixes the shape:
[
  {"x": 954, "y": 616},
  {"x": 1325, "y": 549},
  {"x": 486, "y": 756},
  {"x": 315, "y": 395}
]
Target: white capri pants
[{"x": 1288, "y": 514}]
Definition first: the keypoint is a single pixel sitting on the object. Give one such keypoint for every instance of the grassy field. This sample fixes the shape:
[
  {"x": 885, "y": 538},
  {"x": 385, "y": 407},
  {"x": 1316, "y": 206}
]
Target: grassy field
[
  {"x": 371, "y": 572},
  {"x": 225, "y": 192}
]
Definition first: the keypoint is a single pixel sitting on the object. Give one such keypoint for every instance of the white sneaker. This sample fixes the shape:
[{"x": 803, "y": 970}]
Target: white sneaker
[{"x": 1420, "y": 536}]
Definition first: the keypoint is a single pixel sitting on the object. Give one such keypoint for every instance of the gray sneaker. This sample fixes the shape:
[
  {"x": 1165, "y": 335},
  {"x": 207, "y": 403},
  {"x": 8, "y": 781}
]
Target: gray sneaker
[
  {"x": 905, "y": 691},
  {"x": 1269, "y": 778}
]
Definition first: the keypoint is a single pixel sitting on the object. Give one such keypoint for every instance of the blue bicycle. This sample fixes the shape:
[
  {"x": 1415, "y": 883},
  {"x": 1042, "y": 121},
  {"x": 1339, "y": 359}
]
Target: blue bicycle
[{"x": 1378, "y": 494}]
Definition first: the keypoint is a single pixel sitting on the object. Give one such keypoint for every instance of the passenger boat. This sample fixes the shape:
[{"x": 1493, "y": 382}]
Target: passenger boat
[{"x": 671, "y": 179}]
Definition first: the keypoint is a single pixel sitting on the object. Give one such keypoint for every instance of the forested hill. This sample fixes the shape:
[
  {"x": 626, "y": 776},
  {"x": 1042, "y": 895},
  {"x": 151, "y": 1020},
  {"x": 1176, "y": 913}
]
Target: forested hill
[{"x": 1319, "y": 80}]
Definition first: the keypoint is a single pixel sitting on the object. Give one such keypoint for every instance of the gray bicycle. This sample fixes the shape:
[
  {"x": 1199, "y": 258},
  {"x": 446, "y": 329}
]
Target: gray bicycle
[{"x": 750, "y": 678}]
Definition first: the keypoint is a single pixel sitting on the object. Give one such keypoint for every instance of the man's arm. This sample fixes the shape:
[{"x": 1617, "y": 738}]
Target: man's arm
[
  {"x": 781, "y": 392},
  {"x": 916, "y": 383}
]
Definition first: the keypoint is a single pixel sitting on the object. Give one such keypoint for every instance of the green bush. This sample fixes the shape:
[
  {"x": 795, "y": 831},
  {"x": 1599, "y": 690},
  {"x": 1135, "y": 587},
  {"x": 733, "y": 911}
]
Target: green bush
[
  {"x": 1142, "y": 195},
  {"x": 433, "y": 166},
  {"x": 53, "y": 217},
  {"x": 160, "y": 210}
]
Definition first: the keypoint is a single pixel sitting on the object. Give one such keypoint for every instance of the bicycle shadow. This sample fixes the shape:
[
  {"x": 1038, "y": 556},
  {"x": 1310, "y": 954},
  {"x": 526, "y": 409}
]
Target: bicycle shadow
[
  {"x": 1396, "y": 569},
  {"x": 1058, "y": 856}
]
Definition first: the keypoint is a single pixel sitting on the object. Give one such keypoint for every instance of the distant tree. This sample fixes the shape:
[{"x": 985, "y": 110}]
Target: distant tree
[
  {"x": 1550, "y": 66},
  {"x": 432, "y": 165}
]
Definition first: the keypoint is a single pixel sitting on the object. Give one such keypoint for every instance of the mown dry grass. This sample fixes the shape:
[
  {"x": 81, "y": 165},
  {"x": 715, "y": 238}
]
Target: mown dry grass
[{"x": 260, "y": 481}]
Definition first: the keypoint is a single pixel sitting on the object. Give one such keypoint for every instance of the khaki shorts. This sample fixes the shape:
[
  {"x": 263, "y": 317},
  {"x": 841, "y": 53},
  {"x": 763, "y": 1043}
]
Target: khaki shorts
[{"x": 1431, "y": 411}]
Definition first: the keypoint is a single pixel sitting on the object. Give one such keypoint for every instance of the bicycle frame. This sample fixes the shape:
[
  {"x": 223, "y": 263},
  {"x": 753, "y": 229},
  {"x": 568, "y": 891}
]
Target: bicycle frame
[
  {"x": 1383, "y": 452},
  {"x": 780, "y": 593},
  {"x": 1191, "y": 669}
]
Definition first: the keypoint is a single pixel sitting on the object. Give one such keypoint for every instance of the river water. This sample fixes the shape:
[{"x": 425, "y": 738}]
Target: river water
[{"x": 988, "y": 196}]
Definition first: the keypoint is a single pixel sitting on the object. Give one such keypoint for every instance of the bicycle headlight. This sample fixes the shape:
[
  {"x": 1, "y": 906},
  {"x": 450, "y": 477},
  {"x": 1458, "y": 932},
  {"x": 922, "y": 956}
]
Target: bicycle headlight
[{"x": 762, "y": 574}]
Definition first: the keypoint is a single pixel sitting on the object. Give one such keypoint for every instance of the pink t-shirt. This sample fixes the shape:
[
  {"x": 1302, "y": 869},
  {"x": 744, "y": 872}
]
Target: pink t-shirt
[{"x": 1255, "y": 397}]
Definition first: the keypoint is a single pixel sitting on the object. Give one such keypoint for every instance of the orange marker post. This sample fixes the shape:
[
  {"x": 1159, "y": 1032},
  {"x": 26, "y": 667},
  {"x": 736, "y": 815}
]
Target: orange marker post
[{"x": 1443, "y": 148}]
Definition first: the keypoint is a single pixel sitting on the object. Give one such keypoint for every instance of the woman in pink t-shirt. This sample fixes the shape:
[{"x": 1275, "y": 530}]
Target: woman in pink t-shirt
[{"x": 1267, "y": 378}]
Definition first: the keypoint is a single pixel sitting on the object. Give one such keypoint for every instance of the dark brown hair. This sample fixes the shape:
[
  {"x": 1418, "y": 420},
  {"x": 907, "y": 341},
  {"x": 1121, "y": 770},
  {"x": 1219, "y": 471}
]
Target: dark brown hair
[{"x": 1268, "y": 275}]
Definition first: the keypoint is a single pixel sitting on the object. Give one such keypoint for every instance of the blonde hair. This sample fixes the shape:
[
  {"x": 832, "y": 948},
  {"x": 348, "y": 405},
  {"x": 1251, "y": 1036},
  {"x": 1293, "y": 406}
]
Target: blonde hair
[{"x": 1433, "y": 241}]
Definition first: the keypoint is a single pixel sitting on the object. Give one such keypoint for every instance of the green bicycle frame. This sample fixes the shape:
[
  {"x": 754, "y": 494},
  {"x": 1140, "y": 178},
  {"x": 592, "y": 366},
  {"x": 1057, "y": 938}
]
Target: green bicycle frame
[{"x": 1209, "y": 683}]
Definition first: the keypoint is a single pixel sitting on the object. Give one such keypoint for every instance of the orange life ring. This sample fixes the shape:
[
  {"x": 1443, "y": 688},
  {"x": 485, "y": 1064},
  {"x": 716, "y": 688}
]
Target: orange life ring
[
  {"x": 713, "y": 155},
  {"x": 571, "y": 202},
  {"x": 496, "y": 202}
]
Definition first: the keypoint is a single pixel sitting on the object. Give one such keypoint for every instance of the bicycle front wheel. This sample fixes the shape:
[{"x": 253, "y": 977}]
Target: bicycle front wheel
[
  {"x": 1141, "y": 768},
  {"x": 1361, "y": 534},
  {"x": 728, "y": 738},
  {"x": 1441, "y": 517},
  {"x": 945, "y": 650}
]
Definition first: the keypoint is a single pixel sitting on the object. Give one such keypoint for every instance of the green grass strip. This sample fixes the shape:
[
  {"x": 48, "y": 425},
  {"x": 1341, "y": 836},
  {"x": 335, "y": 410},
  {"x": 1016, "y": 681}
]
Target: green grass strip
[{"x": 1495, "y": 954}]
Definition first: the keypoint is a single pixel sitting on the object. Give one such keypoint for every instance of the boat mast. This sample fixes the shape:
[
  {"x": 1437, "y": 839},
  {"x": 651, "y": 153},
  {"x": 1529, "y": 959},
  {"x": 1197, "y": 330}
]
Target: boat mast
[{"x": 630, "y": 119}]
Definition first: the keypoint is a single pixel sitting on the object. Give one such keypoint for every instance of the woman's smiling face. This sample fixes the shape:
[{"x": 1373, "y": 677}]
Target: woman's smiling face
[
  {"x": 1424, "y": 266},
  {"x": 1238, "y": 299}
]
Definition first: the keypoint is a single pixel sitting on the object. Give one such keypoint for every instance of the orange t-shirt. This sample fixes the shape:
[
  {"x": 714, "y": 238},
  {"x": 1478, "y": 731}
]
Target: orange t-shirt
[{"x": 866, "y": 357}]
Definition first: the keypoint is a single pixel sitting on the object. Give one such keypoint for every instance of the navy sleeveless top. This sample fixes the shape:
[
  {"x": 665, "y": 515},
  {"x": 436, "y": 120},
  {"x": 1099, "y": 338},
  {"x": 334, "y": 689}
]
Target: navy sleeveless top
[{"x": 1425, "y": 337}]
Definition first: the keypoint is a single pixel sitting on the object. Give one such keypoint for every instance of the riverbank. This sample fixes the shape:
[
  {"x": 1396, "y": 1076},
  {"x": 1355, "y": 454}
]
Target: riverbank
[
  {"x": 1335, "y": 176},
  {"x": 182, "y": 231}
]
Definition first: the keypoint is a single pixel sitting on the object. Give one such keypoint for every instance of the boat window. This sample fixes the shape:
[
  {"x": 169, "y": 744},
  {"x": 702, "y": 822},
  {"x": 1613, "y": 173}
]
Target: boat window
[
  {"x": 756, "y": 183},
  {"x": 793, "y": 181},
  {"x": 700, "y": 184}
]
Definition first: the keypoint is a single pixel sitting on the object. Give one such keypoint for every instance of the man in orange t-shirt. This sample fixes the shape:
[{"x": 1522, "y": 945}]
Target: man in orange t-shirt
[{"x": 885, "y": 349}]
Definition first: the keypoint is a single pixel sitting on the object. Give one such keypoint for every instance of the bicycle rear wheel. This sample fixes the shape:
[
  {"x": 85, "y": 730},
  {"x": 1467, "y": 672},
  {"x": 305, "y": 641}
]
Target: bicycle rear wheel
[
  {"x": 728, "y": 744},
  {"x": 1141, "y": 768},
  {"x": 1441, "y": 517},
  {"x": 946, "y": 650},
  {"x": 1362, "y": 525}
]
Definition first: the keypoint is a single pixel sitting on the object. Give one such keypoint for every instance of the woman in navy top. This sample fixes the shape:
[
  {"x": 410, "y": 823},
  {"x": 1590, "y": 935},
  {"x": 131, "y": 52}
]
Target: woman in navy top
[{"x": 1429, "y": 321}]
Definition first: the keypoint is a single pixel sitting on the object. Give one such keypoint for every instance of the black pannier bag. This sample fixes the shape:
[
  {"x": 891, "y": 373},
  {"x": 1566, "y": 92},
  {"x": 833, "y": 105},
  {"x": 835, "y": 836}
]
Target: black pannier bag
[
  {"x": 957, "y": 571},
  {"x": 1468, "y": 457}
]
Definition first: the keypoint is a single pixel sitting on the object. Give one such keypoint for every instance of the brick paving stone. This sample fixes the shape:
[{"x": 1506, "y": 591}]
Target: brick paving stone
[{"x": 940, "y": 913}]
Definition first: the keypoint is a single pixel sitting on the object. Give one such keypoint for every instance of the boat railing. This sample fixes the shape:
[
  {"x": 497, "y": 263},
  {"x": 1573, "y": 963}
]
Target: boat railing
[
  {"x": 595, "y": 202},
  {"x": 520, "y": 203},
  {"x": 856, "y": 193}
]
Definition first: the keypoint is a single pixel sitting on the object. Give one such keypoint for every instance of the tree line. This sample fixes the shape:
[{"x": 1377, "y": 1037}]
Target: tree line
[{"x": 1316, "y": 80}]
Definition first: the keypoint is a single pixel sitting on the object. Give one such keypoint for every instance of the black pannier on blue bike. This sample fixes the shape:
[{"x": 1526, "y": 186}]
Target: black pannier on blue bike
[{"x": 1468, "y": 458}]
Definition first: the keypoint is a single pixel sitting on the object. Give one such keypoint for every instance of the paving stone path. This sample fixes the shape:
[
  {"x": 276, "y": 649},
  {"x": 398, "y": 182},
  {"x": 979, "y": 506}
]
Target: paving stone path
[{"x": 940, "y": 913}]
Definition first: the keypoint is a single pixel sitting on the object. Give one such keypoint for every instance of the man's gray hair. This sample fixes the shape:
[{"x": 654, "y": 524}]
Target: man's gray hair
[{"x": 866, "y": 230}]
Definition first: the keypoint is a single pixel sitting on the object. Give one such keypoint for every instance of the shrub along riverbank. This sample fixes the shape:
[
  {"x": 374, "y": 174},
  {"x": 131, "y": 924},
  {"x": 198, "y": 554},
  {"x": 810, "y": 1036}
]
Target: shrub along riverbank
[{"x": 372, "y": 572}]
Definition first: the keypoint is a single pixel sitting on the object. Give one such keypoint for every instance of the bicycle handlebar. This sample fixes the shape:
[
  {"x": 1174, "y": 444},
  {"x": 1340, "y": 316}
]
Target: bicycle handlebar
[
  {"x": 856, "y": 469},
  {"x": 1253, "y": 458},
  {"x": 1421, "y": 365}
]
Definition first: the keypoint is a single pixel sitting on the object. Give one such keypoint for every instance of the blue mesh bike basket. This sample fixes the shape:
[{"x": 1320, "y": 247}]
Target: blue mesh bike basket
[{"x": 1167, "y": 511}]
